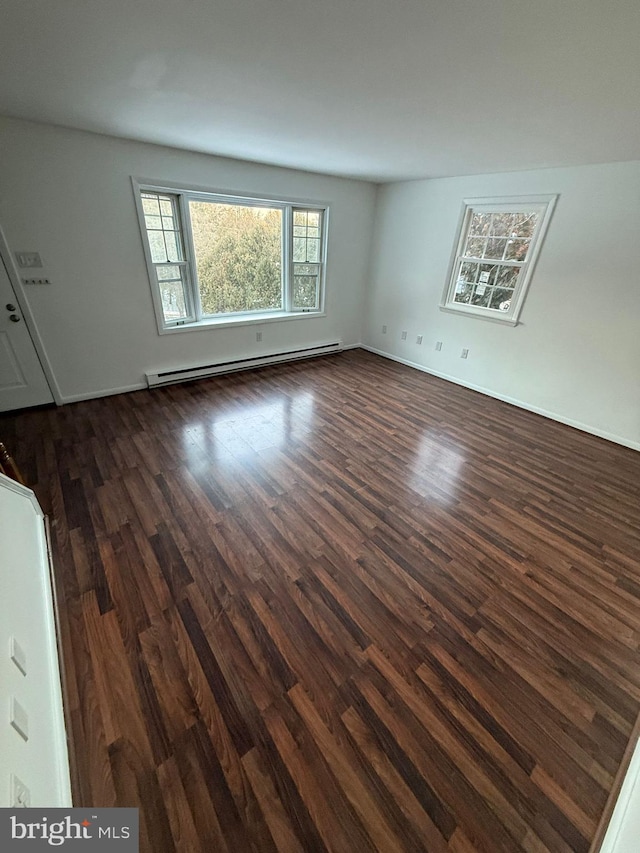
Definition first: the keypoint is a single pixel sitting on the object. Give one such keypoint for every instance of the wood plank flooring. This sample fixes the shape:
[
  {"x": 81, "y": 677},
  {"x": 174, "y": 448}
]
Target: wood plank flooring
[{"x": 341, "y": 605}]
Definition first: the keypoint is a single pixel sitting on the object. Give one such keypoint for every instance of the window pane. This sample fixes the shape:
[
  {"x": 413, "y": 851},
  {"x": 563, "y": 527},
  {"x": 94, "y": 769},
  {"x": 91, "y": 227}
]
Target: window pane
[
  {"x": 517, "y": 250},
  {"x": 158, "y": 250},
  {"x": 465, "y": 283},
  {"x": 306, "y": 235},
  {"x": 501, "y": 224},
  {"x": 475, "y": 247},
  {"x": 507, "y": 276},
  {"x": 313, "y": 251},
  {"x": 172, "y": 246},
  {"x": 305, "y": 290},
  {"x": 481, "y": 295},
  {"x": 169, "y": 273},
  {"x": 464, "y": 291},
  {"x": 524, "y": 224},
  {"x": 172, "y": 295},
  {"x": 150, "y": 204},
  {"x": 480, "y": 224},
  {"x": 162, "y": 230},
  {"x": 238, "y": 255},
  {"x": 306, "y": 279},
  {"x": 469, "y": 272},
  {"x": 501, "y": 299},
  {"x": 488, "y": 273},
  {"x": 495, "y": 247}
]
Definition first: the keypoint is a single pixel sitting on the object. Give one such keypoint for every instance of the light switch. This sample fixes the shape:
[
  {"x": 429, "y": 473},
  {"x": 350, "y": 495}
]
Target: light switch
[
  {"x": 19, "y": 719},
  {"x": 28, "y": 260},
  {"x": 18, "y": 656}
]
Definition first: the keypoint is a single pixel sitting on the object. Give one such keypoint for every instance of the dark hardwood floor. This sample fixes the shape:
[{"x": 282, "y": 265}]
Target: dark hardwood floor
[{"x": 341, "y": 605}]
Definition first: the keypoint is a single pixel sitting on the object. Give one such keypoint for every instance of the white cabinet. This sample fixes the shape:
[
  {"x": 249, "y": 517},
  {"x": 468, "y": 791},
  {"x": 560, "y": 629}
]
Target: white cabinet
[{"x": 33, "y": 745}]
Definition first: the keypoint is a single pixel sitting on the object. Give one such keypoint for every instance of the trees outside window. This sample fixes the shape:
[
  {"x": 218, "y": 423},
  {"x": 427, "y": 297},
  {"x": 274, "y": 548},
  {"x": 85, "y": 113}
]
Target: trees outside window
[
  {"x": 214, "y": 257},
  {"x": 496, "y": 247},
  {"x": 238, "y": 257}
]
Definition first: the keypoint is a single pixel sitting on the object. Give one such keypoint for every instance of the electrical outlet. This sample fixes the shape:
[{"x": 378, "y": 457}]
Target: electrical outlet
[
  {"x": 464, "y": 353},
  {"x": 20, "y": 794},
  {"x": 438, "y": 345},
  {"x": 36, "y": 281},
  {"x": 258, "y": 336},
  {"x": 404, "y": 336},
  {"x": 419, "y": 339},
  {"x": 384, "y": 329}
]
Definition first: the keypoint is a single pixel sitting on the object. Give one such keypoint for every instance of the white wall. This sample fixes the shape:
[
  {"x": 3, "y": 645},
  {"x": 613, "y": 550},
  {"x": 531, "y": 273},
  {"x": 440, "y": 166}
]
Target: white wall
[
  {"x": 67, "y": 194},
  {"x": 576, "y": 354}
]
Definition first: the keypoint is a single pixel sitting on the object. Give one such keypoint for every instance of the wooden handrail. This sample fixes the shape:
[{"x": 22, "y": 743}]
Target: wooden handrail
[{"x": 8, "y": 466}]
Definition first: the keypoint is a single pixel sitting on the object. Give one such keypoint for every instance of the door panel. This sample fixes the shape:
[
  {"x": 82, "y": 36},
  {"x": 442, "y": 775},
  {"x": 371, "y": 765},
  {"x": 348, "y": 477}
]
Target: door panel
[
  {"x": 22, "y": 380},
  {"x": 27, "y": 617},
  {"x": 10, "y": 373}
]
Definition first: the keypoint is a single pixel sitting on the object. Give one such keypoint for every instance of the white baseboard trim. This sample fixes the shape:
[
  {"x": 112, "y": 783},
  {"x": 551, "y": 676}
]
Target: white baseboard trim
[
  {"x": 616, "y": 439},
  {"x": 106, "y": 392},
  {"x": 624, "y": 826},
  {"x": 138, "y": 386}
]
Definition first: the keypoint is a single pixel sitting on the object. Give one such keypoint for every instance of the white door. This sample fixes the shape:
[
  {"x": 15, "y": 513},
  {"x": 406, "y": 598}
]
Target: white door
[{"x": 22, "y": 380}]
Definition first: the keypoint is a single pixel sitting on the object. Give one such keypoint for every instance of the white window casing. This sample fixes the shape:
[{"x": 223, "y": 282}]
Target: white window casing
[
  {"x": 497, "y": 244},
  {"x": 165, "y": 220}
]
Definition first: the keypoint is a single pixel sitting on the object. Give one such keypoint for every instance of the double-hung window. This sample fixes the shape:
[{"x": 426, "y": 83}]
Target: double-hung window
[
  {"x": 496, "y": 248},
  {"x": 218, "y": 259}
]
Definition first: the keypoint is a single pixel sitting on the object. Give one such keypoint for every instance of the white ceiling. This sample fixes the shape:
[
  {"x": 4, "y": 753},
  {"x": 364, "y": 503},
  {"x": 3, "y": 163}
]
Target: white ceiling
[{"x": 375, "y": 89}]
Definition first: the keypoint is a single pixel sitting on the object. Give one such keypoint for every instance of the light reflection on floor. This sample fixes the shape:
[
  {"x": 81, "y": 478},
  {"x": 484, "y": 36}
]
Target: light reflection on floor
[
  {"x": 436, "y": 470},
  {"x": 252, "y": 428}
]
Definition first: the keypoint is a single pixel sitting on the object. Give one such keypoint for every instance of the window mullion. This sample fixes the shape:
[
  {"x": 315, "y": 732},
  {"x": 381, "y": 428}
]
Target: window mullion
[
  {"x": 287, "y": 258},
  {"x": 507, "y": 262},
  {"x": 190, "y": 254}
]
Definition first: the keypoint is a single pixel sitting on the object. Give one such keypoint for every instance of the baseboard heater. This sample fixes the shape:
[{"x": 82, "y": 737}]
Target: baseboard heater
[{"x": 185, "y": 374}]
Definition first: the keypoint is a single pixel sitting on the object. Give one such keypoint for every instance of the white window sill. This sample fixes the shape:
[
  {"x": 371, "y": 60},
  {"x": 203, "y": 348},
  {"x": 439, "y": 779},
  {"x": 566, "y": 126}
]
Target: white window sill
[
  {"x": 229, "y": 322},
  {"x": 480, "y": 315}
]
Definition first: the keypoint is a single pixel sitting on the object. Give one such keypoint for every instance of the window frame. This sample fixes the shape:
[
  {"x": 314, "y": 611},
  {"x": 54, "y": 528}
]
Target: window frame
[
  {"x": 545, "y": 204},
  {"x": 197, "y": 320}
]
